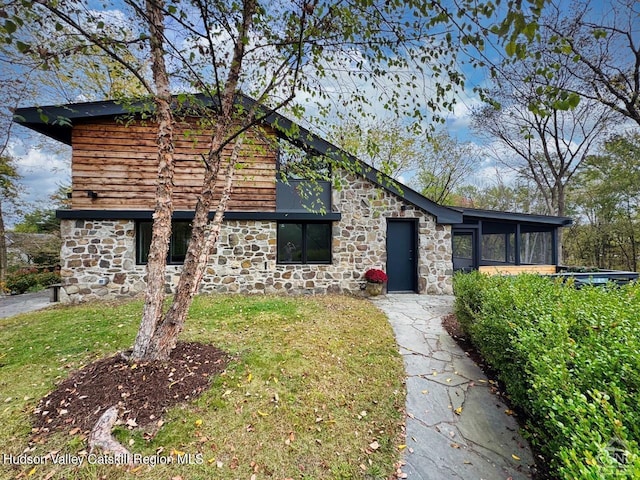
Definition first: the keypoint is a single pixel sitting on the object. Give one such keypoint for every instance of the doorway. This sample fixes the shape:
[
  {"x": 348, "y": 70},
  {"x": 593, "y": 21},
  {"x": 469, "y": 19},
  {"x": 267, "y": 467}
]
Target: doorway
[{"x": 402, "y": 255}]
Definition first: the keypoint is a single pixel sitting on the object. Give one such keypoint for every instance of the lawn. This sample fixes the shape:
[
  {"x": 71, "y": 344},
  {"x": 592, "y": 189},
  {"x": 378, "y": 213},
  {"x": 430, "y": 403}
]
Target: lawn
[{"x": 314, "y": 391}]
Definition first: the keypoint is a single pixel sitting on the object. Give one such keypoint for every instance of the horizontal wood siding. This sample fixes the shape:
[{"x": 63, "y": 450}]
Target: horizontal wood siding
[{"x": 118, "y": 162}]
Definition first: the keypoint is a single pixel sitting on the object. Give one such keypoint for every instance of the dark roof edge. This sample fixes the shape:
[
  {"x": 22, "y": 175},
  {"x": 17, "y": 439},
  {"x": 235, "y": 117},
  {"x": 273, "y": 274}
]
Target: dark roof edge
[{"x": 512, "y": 216}]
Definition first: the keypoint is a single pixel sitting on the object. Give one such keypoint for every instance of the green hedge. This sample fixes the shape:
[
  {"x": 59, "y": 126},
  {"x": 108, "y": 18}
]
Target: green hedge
[
  {"x": 29, "y": 280},
  {"x": 570, "y": 358}
]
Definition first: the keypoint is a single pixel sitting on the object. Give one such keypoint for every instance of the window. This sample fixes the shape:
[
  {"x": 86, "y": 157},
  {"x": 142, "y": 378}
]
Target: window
[
  {"x": 463, "y": 245},
  {"x": 304, "y": 243},
  {"x": 180, "y": 235}
]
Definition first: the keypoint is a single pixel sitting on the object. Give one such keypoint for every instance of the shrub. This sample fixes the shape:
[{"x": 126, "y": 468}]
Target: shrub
[
  {"x": 568, "y": 358},
  {"x": 29, "y": 279}
]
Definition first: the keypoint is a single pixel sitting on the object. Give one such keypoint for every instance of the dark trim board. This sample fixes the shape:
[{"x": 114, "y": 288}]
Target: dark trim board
[{"x": 188, "y": 215}]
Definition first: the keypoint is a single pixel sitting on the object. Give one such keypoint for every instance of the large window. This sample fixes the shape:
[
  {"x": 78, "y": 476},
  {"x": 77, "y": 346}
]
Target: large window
[
  {"x": 304, "y": 242},
  {"x": 180, "y": 235}
]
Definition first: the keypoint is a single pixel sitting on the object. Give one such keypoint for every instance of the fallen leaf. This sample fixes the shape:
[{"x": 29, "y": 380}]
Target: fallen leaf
[
  {"x": 50, "y": 475},
  {"x": 401, "y": 447},
  {"x": 424, "y": 392},
  {"x": 458, "y": 411},
  {"x": 291, "y": 438},
  {"x": 198, "y": 423},
  {"x": 374, "y": 445},
  {"x": 508, "y": 411},
  {"x": 515, "y": 457},
  {"x": 455, "y": 445},
  {"x": 32, "y": 471},
  {"x": 262, "y": 414}
]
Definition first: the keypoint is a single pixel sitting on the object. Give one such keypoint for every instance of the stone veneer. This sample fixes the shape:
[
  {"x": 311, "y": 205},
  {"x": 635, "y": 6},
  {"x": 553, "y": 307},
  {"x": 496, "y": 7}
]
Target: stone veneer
[{"x": 244, "y": 260}]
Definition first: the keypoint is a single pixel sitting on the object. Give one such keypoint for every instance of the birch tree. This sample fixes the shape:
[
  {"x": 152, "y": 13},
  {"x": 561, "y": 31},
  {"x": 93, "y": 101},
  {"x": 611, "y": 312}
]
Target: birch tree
[{"x": 330, "y": 55}]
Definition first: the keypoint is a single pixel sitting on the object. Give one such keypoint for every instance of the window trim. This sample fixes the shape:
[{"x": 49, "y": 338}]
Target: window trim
[
  {"x": 138, "y": 240},
  {"x": 304, "y": 260}
]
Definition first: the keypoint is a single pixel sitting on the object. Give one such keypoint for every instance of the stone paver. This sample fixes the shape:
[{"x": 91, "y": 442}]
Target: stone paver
[{"x": 457, "y": 428}]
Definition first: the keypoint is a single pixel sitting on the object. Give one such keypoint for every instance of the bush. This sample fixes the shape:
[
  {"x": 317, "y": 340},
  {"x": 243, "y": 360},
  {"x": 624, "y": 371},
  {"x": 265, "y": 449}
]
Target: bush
[
  {"x": 29, "y": 280},
  {"x": 569, "y": 359}
]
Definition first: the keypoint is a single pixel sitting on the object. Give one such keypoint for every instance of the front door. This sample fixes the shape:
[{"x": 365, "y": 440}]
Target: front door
[{"x": 402, "y": 255}]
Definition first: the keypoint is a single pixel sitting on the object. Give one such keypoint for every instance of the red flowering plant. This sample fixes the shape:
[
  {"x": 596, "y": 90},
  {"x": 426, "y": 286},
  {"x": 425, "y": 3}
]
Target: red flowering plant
[{"x": 375, "y": 276}]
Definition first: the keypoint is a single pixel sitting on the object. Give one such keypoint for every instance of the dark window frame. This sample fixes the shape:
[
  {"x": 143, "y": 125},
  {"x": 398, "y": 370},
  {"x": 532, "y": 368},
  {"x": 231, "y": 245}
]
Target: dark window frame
[
  {"x": 304, "y": 257},
  {"x": 171, "y": 260}
]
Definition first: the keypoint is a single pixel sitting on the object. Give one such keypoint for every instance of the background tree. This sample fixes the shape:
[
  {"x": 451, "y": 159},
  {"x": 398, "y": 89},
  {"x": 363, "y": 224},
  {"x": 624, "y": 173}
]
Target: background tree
[
  {"x": 601, "y": 45},
  {"x": 386, "y": 145},
  {"x": 606, "y": 200},
  {"x": 443, "y": 164},
  {"x": 271, "y": 51},
  {"x": 543, "y": 138},
  {"x": 518, "y": 195},
  {"x": 8, "y": 194}
]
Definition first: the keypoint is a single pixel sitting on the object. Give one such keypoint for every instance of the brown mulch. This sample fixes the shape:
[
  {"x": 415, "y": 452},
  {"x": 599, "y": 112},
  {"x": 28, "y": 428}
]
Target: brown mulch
[
  {"x": 142, "y": 391},
  {"x": 453, "y": 328}
]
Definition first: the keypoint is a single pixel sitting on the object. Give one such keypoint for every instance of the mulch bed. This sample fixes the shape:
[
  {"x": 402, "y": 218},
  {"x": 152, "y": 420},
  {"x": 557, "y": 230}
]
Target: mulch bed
[{"x": 143, "y": 391}]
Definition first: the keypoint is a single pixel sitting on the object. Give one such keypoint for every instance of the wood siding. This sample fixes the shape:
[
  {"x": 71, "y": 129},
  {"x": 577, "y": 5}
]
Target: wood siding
[{"x": 118, "y": 162}]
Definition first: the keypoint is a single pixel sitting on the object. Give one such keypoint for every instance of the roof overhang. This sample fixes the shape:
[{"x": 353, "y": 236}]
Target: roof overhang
[{"x": 498, "y": 216}]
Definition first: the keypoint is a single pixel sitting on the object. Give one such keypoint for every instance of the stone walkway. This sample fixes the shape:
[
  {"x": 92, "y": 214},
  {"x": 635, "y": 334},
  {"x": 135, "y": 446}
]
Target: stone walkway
[{"x": 456, "y": 427}]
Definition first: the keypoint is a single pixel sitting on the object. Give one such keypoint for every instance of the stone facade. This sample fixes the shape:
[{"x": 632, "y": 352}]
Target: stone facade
[{"x": 99, "y": 261}]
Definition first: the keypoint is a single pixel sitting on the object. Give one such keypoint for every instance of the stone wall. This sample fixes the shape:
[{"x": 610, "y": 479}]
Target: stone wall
[{"x": 244, "y": 261}]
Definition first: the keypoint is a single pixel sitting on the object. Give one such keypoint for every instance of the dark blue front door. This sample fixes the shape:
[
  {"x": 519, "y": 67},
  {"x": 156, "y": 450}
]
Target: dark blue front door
[{"x": 402, "y": 257}]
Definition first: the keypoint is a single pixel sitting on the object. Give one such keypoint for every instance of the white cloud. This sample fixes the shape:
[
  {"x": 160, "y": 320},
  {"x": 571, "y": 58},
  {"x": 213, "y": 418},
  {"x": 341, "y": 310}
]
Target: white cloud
[{"x": 43, "y": 167}]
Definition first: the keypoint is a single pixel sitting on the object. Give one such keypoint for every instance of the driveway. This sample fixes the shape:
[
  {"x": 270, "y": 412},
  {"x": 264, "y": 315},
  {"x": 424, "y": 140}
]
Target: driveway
[{"x": 11, "y": 305}]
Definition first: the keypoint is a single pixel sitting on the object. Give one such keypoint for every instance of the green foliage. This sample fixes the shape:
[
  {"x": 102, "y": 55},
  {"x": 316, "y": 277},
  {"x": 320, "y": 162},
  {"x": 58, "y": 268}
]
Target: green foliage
[
  {"x": 569, "y": 359},
  {"x": 29, "y": 279},
  {"x": 38, "y": 221},
  {"x": 606, "y": 198}
]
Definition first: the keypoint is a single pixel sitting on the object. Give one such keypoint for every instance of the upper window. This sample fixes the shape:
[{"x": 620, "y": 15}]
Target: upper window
[
  {"x": 304, "y": 242},
  {"x": 180, "y": 235},
  {"x": 294, "y": 163}
]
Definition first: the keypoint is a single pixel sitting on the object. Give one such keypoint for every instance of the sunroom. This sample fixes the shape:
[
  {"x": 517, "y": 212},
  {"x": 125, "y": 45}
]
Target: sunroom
[{"x": 504, "y": 242}]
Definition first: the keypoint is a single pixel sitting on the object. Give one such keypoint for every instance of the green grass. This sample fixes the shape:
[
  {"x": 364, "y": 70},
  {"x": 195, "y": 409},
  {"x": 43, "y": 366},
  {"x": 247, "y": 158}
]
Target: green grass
[{"x": 314, "y": 382}]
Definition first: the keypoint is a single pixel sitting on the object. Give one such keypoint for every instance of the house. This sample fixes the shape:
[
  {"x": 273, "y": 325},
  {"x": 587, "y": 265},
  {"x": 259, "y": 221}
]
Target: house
[{"x": 272, "y": 241}]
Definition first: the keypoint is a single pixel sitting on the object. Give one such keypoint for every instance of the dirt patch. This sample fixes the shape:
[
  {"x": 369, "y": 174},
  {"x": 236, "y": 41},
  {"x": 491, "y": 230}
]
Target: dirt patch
[{"x": 142, "y": 391}]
